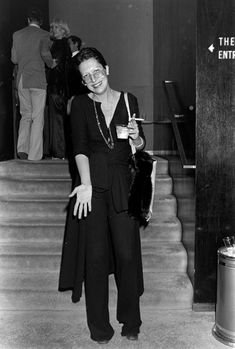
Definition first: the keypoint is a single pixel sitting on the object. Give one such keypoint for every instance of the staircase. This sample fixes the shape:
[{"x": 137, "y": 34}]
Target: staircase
[
  {"x": 184, "y": 191},
  {"x": 33, "y": 199}
]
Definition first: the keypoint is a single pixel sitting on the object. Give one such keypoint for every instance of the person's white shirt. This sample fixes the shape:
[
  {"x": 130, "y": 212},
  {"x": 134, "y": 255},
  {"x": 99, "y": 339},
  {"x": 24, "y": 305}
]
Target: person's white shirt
[
  {"x": 74, "y": 53},
  {"x": 34, "y": 25}
]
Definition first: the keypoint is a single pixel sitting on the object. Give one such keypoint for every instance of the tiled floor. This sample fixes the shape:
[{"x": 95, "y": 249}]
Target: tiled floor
[{"x": 161, "y": 329}]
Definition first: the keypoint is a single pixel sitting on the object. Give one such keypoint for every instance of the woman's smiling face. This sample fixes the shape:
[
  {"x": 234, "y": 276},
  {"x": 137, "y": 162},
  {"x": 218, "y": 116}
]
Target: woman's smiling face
[
  {"x": 94, "y": 75},
  {"x": 57, "y": 31}
]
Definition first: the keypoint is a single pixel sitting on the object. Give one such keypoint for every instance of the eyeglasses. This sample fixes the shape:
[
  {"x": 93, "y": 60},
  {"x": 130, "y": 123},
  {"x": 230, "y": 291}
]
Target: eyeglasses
[{"x": 90, "y": 77}]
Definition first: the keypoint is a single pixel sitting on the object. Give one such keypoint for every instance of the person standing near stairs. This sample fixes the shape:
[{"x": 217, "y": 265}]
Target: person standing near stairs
[
  {"x": 75, "y": 85},
  {"x": 58, "y": 90},
  {"x": 100, "y": 237},
  {"x": 30, "y": 52}
]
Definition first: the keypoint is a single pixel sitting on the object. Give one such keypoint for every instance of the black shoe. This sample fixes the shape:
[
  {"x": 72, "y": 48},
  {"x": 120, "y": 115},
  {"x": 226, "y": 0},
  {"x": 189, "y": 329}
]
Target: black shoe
[
  {"x": 22, "y": 156},
  {"x": 132, "y": 336},
  {"x": 104, "y": 341}
]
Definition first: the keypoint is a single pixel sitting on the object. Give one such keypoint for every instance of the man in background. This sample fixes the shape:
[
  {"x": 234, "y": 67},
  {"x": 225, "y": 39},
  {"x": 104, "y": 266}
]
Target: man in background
[
  {"x": 74, "y": 80},
  {"x": 30, "y": 52}
]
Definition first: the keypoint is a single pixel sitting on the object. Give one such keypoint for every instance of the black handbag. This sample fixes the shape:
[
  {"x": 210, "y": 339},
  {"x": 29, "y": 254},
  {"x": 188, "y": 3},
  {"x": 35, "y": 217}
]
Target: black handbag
[
  {"x": 141, "y": 189},
  {"x": 143, "y": 169}
]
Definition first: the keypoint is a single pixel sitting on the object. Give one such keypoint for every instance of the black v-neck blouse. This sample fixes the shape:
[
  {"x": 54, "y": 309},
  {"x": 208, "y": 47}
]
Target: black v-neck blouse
[{"x": 108, "y": 167}]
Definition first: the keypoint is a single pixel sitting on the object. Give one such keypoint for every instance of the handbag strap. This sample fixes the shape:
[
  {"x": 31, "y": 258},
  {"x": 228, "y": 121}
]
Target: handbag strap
[
  {"x": 127, "y": 105},
  {"x": 133, "y": 149}
]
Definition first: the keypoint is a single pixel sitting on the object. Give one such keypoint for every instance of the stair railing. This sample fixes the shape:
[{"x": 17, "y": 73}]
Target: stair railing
[{"x": 179, "y": 115}]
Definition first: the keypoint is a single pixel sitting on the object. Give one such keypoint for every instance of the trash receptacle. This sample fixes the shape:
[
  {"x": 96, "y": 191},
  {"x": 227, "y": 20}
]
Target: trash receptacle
[{"x": 224, "y": 328}]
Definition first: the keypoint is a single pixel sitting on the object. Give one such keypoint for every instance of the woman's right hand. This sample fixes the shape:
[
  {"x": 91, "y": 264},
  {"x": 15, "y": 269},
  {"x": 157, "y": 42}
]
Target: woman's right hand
[{"x": 83, "y": 194}]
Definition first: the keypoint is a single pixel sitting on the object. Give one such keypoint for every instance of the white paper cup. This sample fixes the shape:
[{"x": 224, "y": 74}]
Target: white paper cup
[{"x": 122, "y": 131}]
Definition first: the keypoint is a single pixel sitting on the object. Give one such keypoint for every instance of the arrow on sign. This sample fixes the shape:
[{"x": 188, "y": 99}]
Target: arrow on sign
[{"x": 211, "y": 48}]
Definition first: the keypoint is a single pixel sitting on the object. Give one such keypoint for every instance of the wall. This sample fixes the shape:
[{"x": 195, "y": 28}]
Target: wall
[
  {"x": 174, "y": 59},
  {"x": 123, "y": 31},
  {"x": 215, "y": 173}
]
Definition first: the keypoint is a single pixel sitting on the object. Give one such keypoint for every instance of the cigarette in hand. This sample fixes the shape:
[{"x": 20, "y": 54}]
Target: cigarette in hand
[{"x": 137, "y": 119}]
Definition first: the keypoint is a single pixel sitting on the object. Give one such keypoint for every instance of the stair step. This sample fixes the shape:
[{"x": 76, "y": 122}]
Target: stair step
[
  {"x": 47, "y": 256},
  {"x": 163, "y": 185},
  {"x": 46, "y": 208},
  {"x": 28, "y": 169},
  {"x": 33, "y": 291},
  {"x": 35, "y": 188},
  {"x": 164, "y": 206},
  {"x": 162, "y": 165},
  {"x": 53, "y": 168},
  {"x": 48, "y": 281},
  {"x": 164, "y": 256},
  {"x": 16, "y": 230},
  {"x": 49, "y": 187},
  {"x": 52, "y": 208},
  {"x": 168, "y": 229},
  {"x": 31, "y": 230}
]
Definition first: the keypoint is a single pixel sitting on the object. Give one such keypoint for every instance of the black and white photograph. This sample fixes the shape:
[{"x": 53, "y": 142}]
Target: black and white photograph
[{"x": 117, "y": 174}]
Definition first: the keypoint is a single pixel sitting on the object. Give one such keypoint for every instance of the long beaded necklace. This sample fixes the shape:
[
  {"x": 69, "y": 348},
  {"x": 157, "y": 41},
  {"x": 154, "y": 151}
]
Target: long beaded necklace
[{"x": 109, "y": 141}]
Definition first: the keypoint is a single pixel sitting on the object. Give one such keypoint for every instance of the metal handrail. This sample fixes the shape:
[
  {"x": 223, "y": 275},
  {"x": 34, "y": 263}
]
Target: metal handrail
[{"x": 174, "y": 118}]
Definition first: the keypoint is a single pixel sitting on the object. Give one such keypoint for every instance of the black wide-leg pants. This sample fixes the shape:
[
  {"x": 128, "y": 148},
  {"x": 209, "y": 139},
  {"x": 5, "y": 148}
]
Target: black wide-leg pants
[
  {"x": 104, "y": 228},
  {"x": 57, "y": 125}
]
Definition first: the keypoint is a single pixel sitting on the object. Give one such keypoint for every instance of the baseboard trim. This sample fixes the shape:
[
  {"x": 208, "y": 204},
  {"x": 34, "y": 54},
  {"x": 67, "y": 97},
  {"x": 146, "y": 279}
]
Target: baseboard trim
[{"x": 200, "y": 307}]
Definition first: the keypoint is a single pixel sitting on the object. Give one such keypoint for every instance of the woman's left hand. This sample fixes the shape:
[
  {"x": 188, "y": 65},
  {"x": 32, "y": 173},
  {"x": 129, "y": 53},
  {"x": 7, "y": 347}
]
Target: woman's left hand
[
  {"x": 133, "y": 129},
  {"x": 82, "y": 205}
]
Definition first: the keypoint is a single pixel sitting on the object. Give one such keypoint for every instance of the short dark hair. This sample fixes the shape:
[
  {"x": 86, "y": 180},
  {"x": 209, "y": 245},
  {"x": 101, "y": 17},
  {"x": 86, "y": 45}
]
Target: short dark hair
[
  {"x": 90, "y": 52},
  {"x": 76, "y": 40},
  {"x": 35, "y": 15}
]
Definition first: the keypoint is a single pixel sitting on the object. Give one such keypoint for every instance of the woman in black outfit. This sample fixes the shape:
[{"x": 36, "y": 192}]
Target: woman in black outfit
[
  {"x": 100, "y": 237},
  {"x": 58, "y": 90}
]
